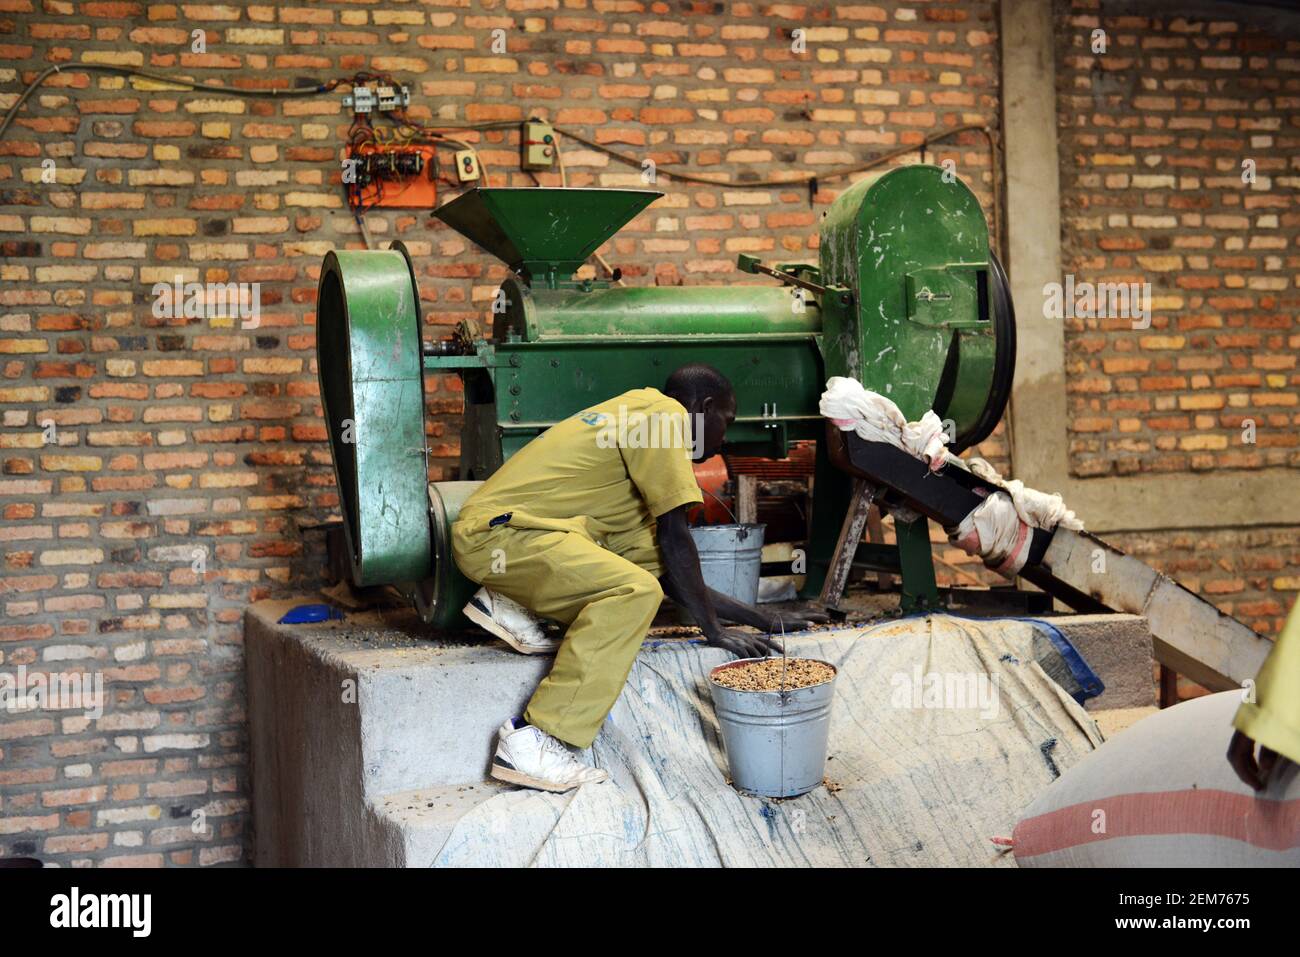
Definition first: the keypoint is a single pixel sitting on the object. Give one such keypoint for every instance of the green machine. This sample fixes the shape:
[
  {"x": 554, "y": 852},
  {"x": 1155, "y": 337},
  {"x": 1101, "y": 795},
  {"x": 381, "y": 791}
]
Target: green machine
[{"x": 907, "y": 297}]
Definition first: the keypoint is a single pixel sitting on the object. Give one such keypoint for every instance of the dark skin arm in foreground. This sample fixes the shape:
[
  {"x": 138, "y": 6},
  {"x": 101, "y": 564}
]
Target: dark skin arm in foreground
[
  {"x": 1241, "y": 755},
  {"x": 684, "y": 584}
]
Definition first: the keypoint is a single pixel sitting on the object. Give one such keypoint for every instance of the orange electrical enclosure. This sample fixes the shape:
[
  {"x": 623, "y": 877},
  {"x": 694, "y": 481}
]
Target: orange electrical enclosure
[{"x": 413, "y": 191}]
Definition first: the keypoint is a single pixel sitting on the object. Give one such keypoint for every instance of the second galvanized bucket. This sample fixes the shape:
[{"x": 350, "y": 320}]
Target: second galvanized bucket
[
  {"x": 731, "y": 558},
  {"x": 775, "y": 740}
]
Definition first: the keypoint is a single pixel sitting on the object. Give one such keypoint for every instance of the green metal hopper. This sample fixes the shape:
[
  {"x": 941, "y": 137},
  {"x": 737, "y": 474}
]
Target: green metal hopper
[{"x": 546, "y": 233}]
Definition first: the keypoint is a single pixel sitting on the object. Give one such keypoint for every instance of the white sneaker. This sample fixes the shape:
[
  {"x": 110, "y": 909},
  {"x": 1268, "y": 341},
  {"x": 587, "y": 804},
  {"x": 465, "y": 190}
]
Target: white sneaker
[
  {"x": 511, "y": 622},
  {"x": 530, "y": 757}
]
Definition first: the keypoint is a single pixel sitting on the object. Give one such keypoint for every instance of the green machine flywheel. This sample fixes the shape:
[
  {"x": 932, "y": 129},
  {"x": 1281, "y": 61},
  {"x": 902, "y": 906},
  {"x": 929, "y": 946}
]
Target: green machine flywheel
[{"x": 370, "y": 363}]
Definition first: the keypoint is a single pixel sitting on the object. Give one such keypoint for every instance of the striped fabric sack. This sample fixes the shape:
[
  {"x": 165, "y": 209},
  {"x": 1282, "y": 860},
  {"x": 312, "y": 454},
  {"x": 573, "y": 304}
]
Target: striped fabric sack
[{"x": 1161, "y": 794}]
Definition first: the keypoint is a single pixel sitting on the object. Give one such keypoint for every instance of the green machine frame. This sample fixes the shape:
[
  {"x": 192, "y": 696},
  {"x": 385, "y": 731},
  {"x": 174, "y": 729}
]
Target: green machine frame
[{"x": 906, "y": 297}]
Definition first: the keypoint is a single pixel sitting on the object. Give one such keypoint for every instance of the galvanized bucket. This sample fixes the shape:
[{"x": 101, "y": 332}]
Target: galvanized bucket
[
  {"x": 775, "y": 740},
  {"x": 731, "y": 557}
]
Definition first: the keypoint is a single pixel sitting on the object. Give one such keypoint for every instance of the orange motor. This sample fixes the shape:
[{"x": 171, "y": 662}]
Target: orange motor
[{"x": 711, "y": 474}]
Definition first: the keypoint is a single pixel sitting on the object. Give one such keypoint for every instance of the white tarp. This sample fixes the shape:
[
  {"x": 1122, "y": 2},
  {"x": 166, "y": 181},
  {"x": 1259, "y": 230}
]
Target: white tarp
[{"x": 943, "y": 731}]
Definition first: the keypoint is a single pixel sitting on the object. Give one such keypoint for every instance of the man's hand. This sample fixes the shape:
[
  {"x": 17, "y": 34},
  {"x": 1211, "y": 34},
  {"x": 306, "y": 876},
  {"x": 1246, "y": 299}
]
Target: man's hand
[
  {"x": 796, "y": 619},
  {"x": 1241, "y": 755},
  {"x": 742, "y": 644},
  {"x": 683, "y": 582}
]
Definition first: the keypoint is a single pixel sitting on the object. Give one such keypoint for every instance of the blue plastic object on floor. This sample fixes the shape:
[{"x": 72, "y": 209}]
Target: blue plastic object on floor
[{"x": 302, "y": 614}]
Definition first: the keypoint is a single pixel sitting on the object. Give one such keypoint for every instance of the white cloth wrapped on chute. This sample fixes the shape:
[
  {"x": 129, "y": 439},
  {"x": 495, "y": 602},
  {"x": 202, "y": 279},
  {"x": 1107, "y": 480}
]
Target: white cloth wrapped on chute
[
  {"x": 1035, "y": 508},
  {"x": 877, "y": 419},
  {"x": 998, "y": 530},
  {"x": 994, "y": 532}
]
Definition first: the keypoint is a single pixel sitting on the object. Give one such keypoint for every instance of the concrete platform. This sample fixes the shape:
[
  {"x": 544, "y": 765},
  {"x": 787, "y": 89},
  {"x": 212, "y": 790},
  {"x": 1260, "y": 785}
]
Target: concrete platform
[
  {"x": 371, "y": 742},
  {"x": 337, "y": 784}
]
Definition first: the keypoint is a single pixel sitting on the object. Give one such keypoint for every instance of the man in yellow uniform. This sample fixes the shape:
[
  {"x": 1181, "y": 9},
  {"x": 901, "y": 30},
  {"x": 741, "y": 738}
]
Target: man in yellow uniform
[
  {"x": 1272, "y": 719},
  {"x": 587, "y": 525}
]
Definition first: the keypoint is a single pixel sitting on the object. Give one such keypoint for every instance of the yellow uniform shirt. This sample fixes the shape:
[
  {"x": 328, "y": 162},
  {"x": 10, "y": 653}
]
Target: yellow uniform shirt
[
  {"x": 607, "y": 470},
  {"x": 1273, "y": 719}
]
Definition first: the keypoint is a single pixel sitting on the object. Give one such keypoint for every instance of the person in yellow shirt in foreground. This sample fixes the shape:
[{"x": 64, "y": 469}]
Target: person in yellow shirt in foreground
[
  {"x": 1272, "y": 719},
  {"x": 587, "y": 525}
]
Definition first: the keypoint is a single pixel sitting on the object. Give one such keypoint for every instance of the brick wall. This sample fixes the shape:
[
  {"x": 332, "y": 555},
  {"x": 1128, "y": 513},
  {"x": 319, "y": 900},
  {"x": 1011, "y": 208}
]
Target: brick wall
[
  {"x": 173, "y": 435},
  {"x": 1252, "y": 573},
  {"x": 1153, "y": 135}
]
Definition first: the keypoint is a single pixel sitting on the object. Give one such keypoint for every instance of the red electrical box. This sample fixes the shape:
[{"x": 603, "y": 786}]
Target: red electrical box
[{"x": 403, "y": 177}]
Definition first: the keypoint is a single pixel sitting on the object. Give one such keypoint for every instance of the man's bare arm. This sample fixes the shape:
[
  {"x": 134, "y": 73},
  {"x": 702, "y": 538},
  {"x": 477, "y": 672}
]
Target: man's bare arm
[
  {"x": 683, "y": 582},
  {"x": 1241, "y": 755},
  {"x": 774, "y": 623}
]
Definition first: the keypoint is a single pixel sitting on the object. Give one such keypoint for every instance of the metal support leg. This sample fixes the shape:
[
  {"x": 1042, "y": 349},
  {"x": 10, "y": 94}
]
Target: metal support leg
[
  {"x": 832, "y": 493},
  {"x": 855, "y": 521},
  {"x": 746, "y": 499},
  {"x": 920, "y": 593}
]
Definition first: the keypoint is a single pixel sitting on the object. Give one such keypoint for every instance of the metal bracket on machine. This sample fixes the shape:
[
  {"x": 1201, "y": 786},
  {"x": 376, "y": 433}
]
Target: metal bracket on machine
[{"x": 751, "y": 264}]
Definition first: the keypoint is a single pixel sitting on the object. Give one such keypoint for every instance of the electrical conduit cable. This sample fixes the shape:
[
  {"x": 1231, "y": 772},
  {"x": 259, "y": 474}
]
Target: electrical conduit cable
[{"x": 271, "y": 92}]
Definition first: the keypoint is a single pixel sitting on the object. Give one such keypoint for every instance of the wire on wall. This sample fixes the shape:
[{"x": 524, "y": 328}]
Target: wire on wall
[{"x": 409, "y": 132}]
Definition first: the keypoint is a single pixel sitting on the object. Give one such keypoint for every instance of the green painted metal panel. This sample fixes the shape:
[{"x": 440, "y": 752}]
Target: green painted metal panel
[
  {"x": 372, "y": 390},
  {"x": 914, "y": 248},
  {"x": 778, "y": 382},
  {"x": 648, "y": 312}
]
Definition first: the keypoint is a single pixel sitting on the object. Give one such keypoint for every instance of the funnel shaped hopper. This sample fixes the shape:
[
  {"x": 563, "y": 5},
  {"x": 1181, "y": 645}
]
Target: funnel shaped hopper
[{"x": 539, "y": 230}]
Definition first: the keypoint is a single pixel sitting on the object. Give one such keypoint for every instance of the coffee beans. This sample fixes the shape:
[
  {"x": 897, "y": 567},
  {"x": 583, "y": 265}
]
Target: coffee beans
[{"x": 775, "y": 674}]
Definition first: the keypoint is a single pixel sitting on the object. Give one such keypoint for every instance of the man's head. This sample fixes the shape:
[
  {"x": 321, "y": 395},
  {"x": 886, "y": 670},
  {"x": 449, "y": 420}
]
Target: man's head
[{"x": 710, "y": 401}]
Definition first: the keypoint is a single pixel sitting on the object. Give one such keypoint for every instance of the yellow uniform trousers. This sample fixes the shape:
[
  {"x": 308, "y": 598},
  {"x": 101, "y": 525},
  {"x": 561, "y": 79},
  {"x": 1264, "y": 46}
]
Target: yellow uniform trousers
[{"x": 607, "y": 596}]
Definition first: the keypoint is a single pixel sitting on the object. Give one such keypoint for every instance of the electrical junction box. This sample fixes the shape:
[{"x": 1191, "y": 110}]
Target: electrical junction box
[
  {"x": 400, "y": 177},
  {"x": 467, "y": 169},
  {"x": 367, "y": 99},
  {"x": 537, "y": 145},
  {"x": 392, "y": 97}
]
